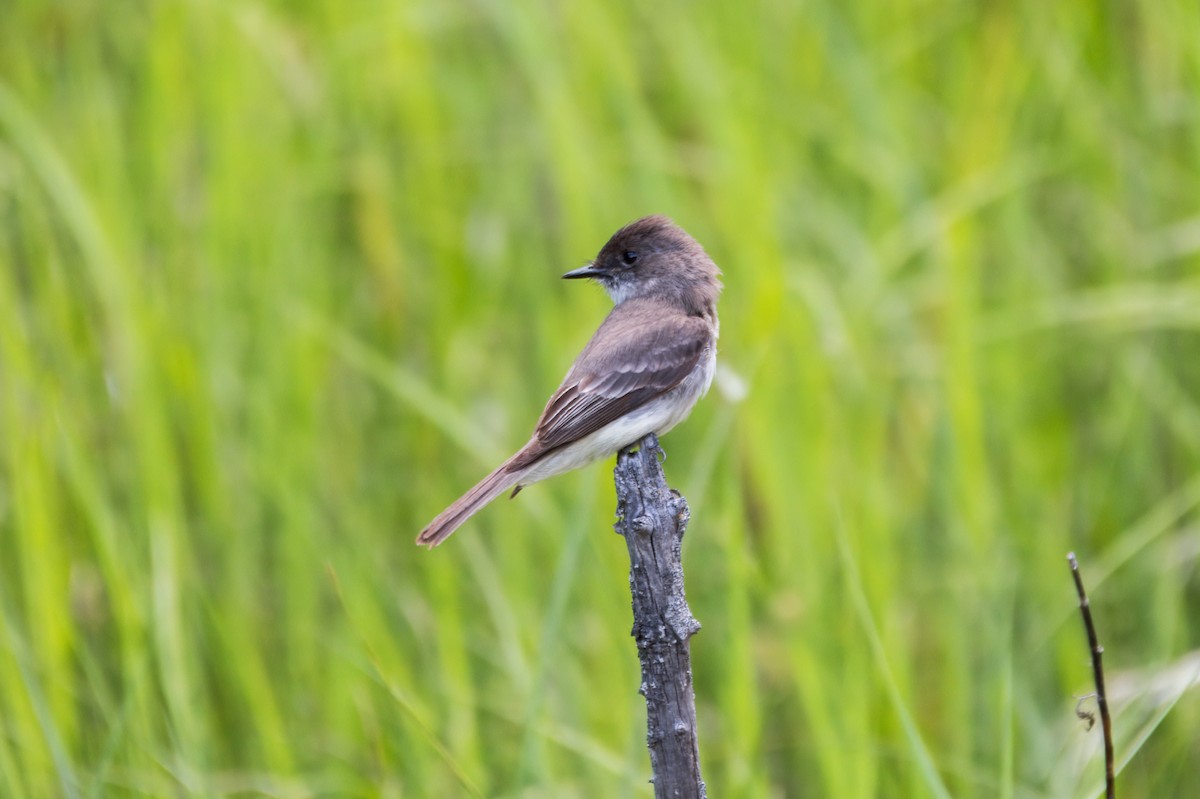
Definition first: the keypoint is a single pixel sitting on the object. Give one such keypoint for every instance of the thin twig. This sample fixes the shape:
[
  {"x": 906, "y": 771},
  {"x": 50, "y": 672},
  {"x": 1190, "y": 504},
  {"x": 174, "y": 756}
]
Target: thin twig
[{"x": 1085, "y": 607}]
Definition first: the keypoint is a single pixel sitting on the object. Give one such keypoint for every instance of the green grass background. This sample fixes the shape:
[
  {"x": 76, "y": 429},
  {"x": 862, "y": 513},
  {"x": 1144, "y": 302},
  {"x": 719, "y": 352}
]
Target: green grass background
[{"x": 279, "y": 280}]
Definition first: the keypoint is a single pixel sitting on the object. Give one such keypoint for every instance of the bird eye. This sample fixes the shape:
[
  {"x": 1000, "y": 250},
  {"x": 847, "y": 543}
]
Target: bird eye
[{"x": 629, "y": 257}]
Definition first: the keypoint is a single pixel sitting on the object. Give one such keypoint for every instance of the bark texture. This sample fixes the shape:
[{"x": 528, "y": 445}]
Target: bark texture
[{"x": 652, "y": 519}]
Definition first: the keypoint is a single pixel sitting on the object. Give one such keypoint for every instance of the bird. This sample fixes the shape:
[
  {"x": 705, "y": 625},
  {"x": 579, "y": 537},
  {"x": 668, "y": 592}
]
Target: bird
[{"x": 645, "y": 368}]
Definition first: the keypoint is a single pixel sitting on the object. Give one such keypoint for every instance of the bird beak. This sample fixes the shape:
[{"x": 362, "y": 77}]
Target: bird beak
[{"x": 587, "y": 270}]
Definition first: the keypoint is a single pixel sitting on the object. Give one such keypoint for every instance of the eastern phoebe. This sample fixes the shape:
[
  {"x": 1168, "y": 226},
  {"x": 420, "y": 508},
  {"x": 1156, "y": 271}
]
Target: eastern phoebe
[{"x": 643, "y": 371}]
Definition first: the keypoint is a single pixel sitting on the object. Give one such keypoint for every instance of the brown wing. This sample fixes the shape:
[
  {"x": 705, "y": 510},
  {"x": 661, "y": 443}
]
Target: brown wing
[{"x": 639, "y": 353}]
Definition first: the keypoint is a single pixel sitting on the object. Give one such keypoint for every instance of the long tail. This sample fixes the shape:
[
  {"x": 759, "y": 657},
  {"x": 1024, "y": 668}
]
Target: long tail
[{"x": 470, "y": 503}]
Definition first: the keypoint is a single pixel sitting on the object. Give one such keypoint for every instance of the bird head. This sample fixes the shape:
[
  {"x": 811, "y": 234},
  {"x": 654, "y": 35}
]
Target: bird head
[{"x": 654, "y": 257}]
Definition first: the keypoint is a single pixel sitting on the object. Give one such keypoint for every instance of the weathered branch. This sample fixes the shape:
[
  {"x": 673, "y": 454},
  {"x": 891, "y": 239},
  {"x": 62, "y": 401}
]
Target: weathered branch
[{"x": 652, "y": 519}]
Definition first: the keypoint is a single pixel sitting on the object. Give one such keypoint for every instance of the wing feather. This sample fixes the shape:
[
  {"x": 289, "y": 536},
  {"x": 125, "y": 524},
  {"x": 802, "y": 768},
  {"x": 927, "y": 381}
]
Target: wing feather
[{"x": 639, "y": 353}]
